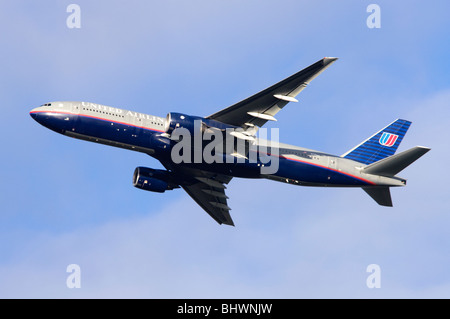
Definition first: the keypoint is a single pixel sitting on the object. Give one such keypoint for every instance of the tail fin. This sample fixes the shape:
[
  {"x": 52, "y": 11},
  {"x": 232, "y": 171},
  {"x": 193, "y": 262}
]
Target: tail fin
[{"x": 382, "y": 144}]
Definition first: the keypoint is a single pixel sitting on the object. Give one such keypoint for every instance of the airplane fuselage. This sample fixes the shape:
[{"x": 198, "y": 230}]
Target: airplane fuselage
[{"x": 146, "y": 133}]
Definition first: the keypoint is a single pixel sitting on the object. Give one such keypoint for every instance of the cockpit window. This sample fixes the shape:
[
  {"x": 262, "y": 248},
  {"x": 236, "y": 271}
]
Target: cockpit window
[{"x": 47, "y": 104}]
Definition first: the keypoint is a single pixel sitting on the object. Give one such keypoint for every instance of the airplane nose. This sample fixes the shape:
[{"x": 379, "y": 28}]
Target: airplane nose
[
  {"x": 50, "y": 119},
  {"x": 34, "y": 113}
]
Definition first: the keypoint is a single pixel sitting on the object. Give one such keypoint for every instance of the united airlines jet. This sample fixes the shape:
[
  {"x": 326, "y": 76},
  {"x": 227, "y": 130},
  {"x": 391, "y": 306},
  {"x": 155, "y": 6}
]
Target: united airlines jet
[{"x": 202, "y": 154}]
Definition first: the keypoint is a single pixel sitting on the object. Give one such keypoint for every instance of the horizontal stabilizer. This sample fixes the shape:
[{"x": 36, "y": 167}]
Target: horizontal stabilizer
[
  {"x": 381, "y": 195},
  {"x": 392, "y": 165}
]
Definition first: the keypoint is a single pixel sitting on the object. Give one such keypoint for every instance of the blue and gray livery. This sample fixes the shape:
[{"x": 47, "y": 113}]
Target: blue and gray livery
[{"x": 236, "y": 149}]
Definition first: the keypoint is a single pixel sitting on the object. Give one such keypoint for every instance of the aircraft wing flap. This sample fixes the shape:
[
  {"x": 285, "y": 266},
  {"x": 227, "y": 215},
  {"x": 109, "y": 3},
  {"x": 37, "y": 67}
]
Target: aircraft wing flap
[{"x": 261, "y": 107}]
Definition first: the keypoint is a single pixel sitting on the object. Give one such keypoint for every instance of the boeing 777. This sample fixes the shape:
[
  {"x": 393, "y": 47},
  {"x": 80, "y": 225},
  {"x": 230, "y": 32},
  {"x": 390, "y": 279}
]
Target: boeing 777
[{"x": 202, "y": 154}]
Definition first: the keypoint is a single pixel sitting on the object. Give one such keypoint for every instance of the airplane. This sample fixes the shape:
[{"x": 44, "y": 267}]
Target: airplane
[{"x": 371, "y": 165}]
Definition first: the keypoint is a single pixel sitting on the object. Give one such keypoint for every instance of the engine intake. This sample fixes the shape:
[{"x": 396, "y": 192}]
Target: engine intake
[
  {"x": 179, "y": 120},
  {"x": 153, "y": 180},
  {"x": 194, "y": 124}
]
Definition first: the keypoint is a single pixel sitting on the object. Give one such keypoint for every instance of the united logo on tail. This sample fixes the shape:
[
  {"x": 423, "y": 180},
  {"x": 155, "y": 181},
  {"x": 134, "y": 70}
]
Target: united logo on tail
[{"x": 388, "y": 139}]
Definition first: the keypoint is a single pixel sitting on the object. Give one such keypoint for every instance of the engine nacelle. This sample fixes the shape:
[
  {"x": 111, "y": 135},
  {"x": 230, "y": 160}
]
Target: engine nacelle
[
  {"x": 153, "y": 180},
  {"x": 179, "y": 120},
  {"x": 194, "y": 124}
]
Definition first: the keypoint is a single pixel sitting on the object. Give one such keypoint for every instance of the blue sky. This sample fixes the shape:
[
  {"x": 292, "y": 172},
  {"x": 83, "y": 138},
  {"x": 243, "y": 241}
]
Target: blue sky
[{"x": 66, "y": 201}]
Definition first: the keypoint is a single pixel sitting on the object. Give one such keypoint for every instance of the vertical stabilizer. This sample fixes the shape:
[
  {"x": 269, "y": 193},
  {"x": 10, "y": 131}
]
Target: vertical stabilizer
[{"x": 382, "y": 144}]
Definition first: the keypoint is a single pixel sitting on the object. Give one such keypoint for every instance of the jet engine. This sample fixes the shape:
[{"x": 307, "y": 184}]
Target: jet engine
[
  {"x": 153, "y": 180},
  {"x": 178, "y": 120}
]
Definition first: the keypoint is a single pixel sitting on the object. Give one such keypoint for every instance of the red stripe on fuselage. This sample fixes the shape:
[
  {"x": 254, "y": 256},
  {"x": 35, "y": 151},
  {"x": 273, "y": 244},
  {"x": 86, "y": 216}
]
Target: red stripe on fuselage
[
  {"x": 329, "y": 168},
  {"x": 98, "y": 118}
]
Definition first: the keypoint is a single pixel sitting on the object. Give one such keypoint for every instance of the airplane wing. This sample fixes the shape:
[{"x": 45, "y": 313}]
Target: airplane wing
[
  {"x": 207, "y": 189},
  {"x": 256, "y": 110},
  {"x": 212, "y": 199}
]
